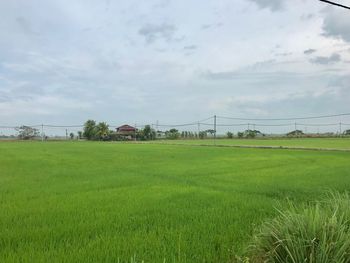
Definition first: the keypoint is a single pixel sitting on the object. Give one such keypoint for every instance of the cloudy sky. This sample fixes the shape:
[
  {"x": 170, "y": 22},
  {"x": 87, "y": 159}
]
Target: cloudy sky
[{"x": 64, "y": 61}]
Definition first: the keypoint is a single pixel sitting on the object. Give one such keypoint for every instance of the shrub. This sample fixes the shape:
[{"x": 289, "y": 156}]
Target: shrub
[
  {"x": 315, "y": 233},
  {"x": 229, "y": 135},
  {"x": 240, "y": 135},
  {"x": 172, "y": 134},
  {"x": 202, "y": 134}
]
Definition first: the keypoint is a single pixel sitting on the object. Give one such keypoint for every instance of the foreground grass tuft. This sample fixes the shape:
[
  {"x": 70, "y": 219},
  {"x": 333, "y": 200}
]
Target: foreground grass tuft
[{"x": 317, "y": 232}]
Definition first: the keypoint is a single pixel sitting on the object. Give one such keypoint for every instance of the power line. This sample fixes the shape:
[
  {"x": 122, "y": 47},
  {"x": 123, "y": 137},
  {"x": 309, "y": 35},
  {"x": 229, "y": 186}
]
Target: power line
[
  {"x": 313, "y": 124},
  {"x": 185, "y": 124},
  {"x": 276, "y": 125},
  {"x": 15, "y": 127},
  {"x": 178, "y": 125},
  {"x": 205, "y": 123},
  {"x": 285, "y": 119},
  {"x": 62, "y": 126},
  {"x": 336, "y": 4},
  {"x": 206, "y": 119}
]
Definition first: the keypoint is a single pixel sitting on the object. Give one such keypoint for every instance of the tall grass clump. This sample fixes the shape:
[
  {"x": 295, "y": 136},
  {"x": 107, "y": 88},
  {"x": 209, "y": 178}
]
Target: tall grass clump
[{"x": 318, "y": 232}]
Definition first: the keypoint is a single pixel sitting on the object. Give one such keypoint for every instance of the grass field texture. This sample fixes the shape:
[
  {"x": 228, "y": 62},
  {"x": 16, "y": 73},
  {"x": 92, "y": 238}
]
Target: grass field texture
[
  {"x": 320, "y": 143},
  {"x": 104, "y": 202}
]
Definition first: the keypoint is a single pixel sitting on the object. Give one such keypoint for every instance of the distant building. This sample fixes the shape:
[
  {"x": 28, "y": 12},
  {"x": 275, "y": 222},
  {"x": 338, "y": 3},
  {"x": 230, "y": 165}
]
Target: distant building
[{"x": 126, "y": 131}]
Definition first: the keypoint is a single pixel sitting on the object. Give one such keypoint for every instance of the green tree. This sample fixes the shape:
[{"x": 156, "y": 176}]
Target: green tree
[
  {"x": 102, "y": 131},
  {"x": 172, "y": 134},
  {"x": 202, "y": 134},
  {"x": 250, "y": 134},
  {"x": 146, "y": 134},
  {"x": 149, "y": 133},
  {"x": 211, "y": 131},
  {"x": 90, "y": 130},
  {"x": 71, "y": 135},
  {"x": 295, "y": 133},
  {"x": 229, "y": 135},
  {"x": 26, "y": 132}
]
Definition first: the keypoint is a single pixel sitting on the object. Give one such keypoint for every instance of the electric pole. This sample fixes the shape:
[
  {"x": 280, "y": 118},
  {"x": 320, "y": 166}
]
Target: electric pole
[
  {"x": 199, "y": 129},
  {"x": 152, "y": 125},
  {"x": 214, "y": 129},
  {"x": 135, "y": 132}
]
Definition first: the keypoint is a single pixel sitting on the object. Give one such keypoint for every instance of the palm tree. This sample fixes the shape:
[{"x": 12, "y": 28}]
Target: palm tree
[{"x": 102, "y": 130}]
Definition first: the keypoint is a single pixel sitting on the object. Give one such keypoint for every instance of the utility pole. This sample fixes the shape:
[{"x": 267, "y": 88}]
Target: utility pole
[
  {"x": 340, "y": 129},
  {"x": 198, "y": 129},
  {"x": 152, "y": 125},
  {"x": 42, "y": 132},
  {"x": 214, "y": 129},
  {"x": 66, "y": 134},
  {"x": 135, "y": 133},
  {"x": 248, "y": 126}
]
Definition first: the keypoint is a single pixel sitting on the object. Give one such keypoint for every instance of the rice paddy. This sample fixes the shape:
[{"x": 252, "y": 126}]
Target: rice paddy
[{"x": 126, "y": 202}]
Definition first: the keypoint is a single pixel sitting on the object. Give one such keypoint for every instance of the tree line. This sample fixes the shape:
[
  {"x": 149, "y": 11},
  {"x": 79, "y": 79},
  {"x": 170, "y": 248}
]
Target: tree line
[{"x": 101, "y": 132}]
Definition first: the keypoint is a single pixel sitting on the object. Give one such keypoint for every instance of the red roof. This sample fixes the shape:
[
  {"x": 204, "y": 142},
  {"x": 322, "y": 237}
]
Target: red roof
[{"x": 126, "y": 128}]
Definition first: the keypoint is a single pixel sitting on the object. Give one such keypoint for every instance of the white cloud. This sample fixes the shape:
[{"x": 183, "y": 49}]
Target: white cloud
[{"x": 64, "y": 61}]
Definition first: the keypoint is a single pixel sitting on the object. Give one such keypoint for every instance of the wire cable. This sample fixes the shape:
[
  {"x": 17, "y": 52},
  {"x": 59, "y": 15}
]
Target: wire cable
[
  {"x": 286, "y": 119},
  {"x": 336, "y": 4}
]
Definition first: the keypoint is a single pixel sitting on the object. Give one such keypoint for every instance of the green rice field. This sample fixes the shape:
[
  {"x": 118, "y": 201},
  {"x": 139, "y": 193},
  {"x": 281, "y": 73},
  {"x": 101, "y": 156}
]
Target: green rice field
[
  {"x": 127, "y": 202},
  {"x": 316, "y": 143}
]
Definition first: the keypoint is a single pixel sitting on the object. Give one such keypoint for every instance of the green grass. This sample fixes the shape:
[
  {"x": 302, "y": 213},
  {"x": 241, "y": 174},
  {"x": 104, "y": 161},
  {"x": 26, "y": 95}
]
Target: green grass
[
  {"x": 100, "y": 202},
  {"x": 315, "y": 233},
  {"x": 328, "y": 143}
]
